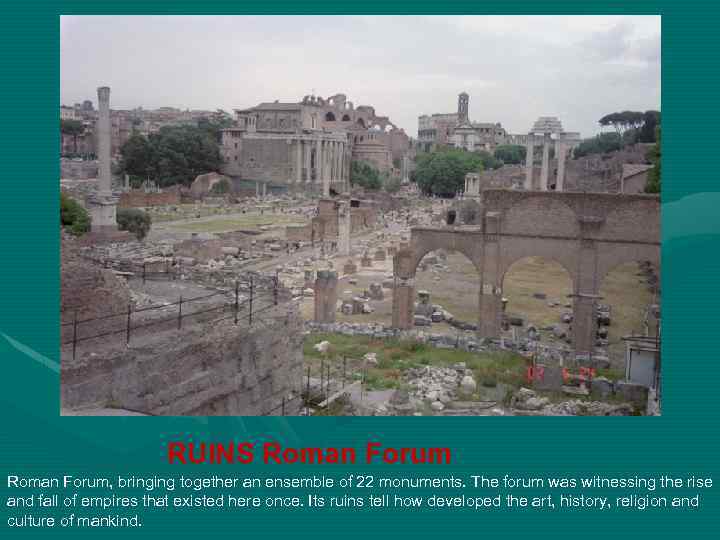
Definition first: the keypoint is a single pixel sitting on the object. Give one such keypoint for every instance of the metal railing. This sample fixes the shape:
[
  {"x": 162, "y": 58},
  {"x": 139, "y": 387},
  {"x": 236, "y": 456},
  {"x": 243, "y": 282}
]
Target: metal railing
[{"x": 127, "y": 322}]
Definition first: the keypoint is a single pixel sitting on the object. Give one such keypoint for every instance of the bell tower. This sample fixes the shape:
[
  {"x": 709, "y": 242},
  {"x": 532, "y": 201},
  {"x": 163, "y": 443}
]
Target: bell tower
[{"x": 462, "y": 110}]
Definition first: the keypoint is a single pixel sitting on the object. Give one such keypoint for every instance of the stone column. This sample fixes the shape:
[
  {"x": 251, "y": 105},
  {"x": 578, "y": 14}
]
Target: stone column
[
  {"x": 343, "y": 159},
  {"x": 318, "y": 161},
  {"x": 529, "y": 162},
  {"x": 338, "y": 165},
  {"x": 344, "y": 229},
  {"x": 103, "y": 135},
  {"x": 560, "y": 154},
  {"x": 585, "y": 297},
  {"x": 308, "y": 159},
  {"x": 336, "y": 152},
  {"x": 584, "y": 325},
  {"x": 545, "y": 163},
  {"x": 298, "y": 163},
  {"x": 325, "y": 296},
  {"x": 403, "y": 303},
  {"x": 326, "y": 169},
  {"x": 102, "y": 204}
]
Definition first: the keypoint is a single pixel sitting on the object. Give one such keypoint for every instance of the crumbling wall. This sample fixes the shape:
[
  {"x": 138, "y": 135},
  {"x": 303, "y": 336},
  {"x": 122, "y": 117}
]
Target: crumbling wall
[
  {"x": 207, "y": 369},
  {"x": 203, "y": 183},
  {"x": 140, "y": 198},
  {"x": 78, "y": 170},
  {"x": 88, "y": 291},
  {"x": 298, "y": 233}
]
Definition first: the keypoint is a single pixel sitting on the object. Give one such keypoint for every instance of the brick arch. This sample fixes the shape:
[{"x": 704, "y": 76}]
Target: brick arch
[
  {"x": 507, "y": 267},
  {"x": 553, "y": 250},
  {"x": 614, "y": 255},
  {"x": 423, "y": 242}
]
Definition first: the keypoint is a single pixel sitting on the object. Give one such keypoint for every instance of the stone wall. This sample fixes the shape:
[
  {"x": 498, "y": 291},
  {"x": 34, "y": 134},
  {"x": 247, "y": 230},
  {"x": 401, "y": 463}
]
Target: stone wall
[
  {"x": 298, "y": 233},
  {"x": 88, "y": 291},
  {"x": 588, "y": 234},
  {"x": 203, "y": 183},
  {"x": 138, "y": 198},
  {"x": 78, "y": 170},
  {"x": 213, "y": 369}
]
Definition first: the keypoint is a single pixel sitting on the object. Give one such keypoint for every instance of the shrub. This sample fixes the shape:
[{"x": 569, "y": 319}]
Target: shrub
[
  {"x": 135, "y": 221},
  {"x": 221, "y": 187},
  {"x": 73, "y": 217},
  {"x": 392, "y": 184}
]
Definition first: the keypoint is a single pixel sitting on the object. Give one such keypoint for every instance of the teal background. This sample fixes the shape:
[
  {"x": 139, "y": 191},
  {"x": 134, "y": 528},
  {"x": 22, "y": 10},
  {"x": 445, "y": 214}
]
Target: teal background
[{"x": 34, "y": 440}]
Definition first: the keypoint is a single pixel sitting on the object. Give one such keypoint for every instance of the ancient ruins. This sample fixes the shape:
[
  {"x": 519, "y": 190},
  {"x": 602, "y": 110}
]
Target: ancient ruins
[{"x": 296, "y": 292}]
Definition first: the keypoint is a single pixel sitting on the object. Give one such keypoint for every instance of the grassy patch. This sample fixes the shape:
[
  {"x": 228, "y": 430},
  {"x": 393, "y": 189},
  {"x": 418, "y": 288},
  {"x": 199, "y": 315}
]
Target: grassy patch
[{"x": 395, "y": 357}]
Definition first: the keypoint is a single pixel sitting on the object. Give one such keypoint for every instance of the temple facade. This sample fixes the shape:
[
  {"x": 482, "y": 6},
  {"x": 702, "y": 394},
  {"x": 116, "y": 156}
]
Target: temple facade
[{"x": 308, "y": 146}]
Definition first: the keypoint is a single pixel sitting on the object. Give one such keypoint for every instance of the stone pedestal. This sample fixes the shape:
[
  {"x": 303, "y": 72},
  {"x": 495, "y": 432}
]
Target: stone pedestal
[
  {"x": 380, "y": 254},
  {"x": 325, "y": 296},
  {"x": 376, "y": 291},
  {"x": 344, "y": 230},
  {"x": 103, "y": 211},
  {"x": 584, "y": 324},
  {"x": 350, "y": 267},
  {"x": 403, "y": 297}
]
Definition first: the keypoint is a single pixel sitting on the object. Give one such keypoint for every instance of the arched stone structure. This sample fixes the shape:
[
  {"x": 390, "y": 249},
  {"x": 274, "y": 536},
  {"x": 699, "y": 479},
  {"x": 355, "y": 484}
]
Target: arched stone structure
[{"x": 588, "y": 234}]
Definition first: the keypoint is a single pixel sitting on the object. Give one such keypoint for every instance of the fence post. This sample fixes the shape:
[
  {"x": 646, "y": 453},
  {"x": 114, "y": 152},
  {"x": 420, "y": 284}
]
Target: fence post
[
  {"x": 283, "y": 407},
  {"x": 237, "y": 300},
  {"x": 307, "y": 395},
  {"x": 74, "y": 334},
  {"x": 327, "y": 386},
  {"x": 275, "y": 290},
  {"x": 362, "y": 382},
  {"x": 251, "y": 301},
  {"x": 127, "y": 331},
  {"x": 143, "y": 272},
  {"x": 344, "y": 370},
  {"x": 180, "y": 313},
  {"x": 322, "y": 375}
]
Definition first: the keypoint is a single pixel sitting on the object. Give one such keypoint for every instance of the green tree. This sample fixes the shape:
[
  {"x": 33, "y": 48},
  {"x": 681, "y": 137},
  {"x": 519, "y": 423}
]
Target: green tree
[
  {"x": 647, "y": 133},
  {"x": 488, "y": 160},
  {"x": 512, "y": 154},
  {"x": 73, "y": 217},
  {"x": 72, "y": 128},
  {"x": 173, "y": 155},
  {"x": 138, "y": 158},
  {"x": 600, "y": 144},
  {"x": 391, "y": 184},
  {"x": 443, "y": 172},
  {"x": 135, "y": 221},
  {"x": 653, "y": 183},
  {"x": 365, "y": 175},
  {"x": 220, "y": 187},
  {"x": 213, "y": 126}
]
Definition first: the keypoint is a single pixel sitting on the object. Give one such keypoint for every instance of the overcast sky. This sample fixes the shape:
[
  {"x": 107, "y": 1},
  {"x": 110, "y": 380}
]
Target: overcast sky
[{"x": 515, "y": 68}]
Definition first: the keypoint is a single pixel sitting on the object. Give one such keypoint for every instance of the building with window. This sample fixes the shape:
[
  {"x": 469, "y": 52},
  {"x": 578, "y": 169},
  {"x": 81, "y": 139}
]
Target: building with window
[{"x": 308, "y": 146}]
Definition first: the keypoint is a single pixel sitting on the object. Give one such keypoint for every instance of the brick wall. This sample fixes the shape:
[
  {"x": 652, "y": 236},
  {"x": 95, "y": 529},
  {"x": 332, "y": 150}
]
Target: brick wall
[{"x": 139, "y": 198}]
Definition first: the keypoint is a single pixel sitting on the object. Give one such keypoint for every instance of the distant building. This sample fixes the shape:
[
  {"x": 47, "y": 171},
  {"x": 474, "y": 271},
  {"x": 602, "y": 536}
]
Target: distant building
[
  {"x": 634, "y": 177},
  {"x": 68, "y": 113},
  {"x": 456, "y": 130},
  {"x": 308, "y": 146}
]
